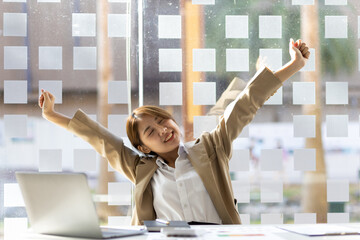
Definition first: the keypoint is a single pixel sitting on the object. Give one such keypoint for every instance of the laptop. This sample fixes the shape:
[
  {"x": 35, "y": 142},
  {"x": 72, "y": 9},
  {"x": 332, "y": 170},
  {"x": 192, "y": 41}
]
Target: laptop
[{"x": 61, "y": 204}]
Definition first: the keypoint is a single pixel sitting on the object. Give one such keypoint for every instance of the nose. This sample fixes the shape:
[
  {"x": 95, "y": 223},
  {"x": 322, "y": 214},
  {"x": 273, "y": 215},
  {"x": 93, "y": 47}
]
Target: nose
[{"x": 162, "y": 130}]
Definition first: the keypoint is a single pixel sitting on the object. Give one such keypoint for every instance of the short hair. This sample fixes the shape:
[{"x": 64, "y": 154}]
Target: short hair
[{"x": 132, "y": 130}]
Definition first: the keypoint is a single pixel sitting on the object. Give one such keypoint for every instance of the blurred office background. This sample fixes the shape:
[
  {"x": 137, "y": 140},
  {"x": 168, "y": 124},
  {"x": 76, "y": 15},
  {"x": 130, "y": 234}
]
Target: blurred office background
[{"x": 297, "y": 162}]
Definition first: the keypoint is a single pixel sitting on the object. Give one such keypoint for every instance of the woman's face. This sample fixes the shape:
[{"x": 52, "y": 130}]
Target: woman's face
[{"x": 159, "y": 135}]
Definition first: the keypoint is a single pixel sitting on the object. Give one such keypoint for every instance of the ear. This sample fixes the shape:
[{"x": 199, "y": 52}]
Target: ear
[{"x": 144, "y": 149}]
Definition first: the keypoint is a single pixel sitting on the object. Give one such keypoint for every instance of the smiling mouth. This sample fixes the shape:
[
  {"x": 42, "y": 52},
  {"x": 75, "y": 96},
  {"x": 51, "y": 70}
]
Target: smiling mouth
[{"x": 169, "y": 137}]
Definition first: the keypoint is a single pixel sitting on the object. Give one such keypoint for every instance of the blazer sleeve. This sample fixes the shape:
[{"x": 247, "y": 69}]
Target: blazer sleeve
[
  {"x": 120, "y": 157},
  {"x": 242, "y": 110}
]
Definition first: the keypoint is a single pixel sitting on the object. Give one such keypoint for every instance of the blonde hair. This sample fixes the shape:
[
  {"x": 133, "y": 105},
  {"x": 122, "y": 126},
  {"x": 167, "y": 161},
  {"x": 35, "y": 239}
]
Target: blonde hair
[{"x": 132, "y": 130}]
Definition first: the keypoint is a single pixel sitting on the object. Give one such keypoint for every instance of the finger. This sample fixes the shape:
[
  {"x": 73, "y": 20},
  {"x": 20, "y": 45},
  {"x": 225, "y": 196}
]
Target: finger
[
  {"x": 51, "y": 96},
  {"x": 41, "y": 101},
  {"x": 307, "y": 55},
  {"x": 305, "y": 50},
  {"x": 302, "y": 46},
  {"x": 299, "y": 42},
  {"x": 291, "y": 43},
  {"x": 41, "y": 98},
  {"x": 46, "y": 96}
]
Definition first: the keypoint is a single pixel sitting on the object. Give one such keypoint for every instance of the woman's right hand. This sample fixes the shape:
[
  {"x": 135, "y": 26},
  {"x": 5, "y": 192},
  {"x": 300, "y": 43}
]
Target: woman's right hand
[{"x": 46, "y": 103}]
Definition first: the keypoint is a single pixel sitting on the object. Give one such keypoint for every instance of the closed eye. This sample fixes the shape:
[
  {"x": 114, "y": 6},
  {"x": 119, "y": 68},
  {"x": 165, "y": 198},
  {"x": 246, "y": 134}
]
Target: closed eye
[{"x": 151, "y": 132}]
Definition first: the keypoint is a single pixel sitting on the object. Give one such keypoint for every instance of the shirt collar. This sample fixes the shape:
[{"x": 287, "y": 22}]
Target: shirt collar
[{"x": 181, "y": 151}]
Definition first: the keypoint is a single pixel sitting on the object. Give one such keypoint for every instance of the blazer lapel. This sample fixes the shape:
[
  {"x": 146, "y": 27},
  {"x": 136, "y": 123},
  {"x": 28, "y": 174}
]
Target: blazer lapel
[
  {"x": 208, "y": 172},
  {"x": 143, "y": 192},
  {"x": 145, "y": 170}
]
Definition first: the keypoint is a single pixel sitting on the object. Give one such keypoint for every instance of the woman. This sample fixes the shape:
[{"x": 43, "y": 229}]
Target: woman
[{"x": 176, "y": 181}]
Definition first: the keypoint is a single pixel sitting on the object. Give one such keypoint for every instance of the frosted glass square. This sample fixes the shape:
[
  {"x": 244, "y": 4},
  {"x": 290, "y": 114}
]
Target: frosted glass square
[
  {"x": 84, "y": 25},
  {"x": 204, "y": 93},
  {"x": 245, "y": 219},
  {"x": 303, "y": 93},
  {"x": 84, "y": 58},
  {"x": 335, "y": 2},
  {"x": 117, "y": 124},
  {"x": 55, "y": 87},
  {"x": 119, "y": 1},
  {"x": 310, "y": 65},
  {"x": 302, "y": 2},
  {"x": 270, "y": 27},
  {"x": 14, "y": 226},
  {"x": 50, "y": 58},
  {"x": 12, "y": 195},
  {"x": 272, "y": 218},
  {"x": 50, "y": 160},
  {"x": 15, "y": 25},
  {"x": 336, "y": 27},
  {"x": 118, "y": 92},
  {"x": 15, "y": 58},
  {"x": 237, "y": 60},
  {"x": 337, "y": 125},
  {"x": 276, "y": 99},
  {"x": 204, "y": 60},
  {"x": 15, "y": 92},
  {"x": 204, "y": 124},
  {"x": 118, "y": 25},
  {"x": 170, "y": 60},
  {"x": 116, "y": 221},
  {"x": 170, "y": 26},
  {"x": 204, "y": 2},
  {"x": 84, "y": 160},
  {"x": 23, "y": 1},
  {"x": 241, "y": 191},
  {"x": 240, "y": 160},
  {"x": 237, "y": 26},
  {"x": 305, "y": 159},
  {"x": 338, "y": 190},
  {"x": 119, "y": 193},
  {"x": 304, "y": 126},
  {"x": 338, "y": 218},
  {"x": 48, "y": 1},
  {"x": 271, "y": 160},
  {"x": 170, "y": 93},
  {"x": 272, "y": 58},
  {"x": 337, "y": 93},
  {"x": 305, "y": 218},
  {"x": 271, "y": 192},
  {"x": 15, "y": 126}
]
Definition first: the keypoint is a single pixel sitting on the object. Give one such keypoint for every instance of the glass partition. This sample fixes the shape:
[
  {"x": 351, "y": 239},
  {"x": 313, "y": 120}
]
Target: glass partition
[{"x": 296, "y": 162}]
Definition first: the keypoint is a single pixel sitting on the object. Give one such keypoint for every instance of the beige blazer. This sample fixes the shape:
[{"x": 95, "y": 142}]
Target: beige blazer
[{"x": 209, "y": 154}]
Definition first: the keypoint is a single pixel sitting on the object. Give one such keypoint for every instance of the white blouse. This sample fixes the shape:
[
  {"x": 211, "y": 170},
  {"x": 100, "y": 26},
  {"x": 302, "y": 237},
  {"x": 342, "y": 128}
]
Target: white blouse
[{"x": 179, "y": 194}]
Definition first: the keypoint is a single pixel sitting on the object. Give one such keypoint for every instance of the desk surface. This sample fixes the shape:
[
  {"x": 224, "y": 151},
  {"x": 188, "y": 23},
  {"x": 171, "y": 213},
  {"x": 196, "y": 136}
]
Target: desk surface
[{"x": 228, "y": 232}]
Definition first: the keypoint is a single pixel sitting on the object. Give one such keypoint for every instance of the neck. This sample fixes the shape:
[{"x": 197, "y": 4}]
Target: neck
[{"x": 170, "y": 157}]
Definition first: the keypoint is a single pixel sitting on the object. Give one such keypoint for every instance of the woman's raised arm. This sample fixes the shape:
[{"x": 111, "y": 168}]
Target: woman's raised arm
[
  {"x": 299, "y": 54},
  {"x": 46, "y": 103}
]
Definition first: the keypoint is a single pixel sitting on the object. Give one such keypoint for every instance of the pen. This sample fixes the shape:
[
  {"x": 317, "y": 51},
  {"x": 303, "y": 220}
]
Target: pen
[{"x": 162, "y": 221}]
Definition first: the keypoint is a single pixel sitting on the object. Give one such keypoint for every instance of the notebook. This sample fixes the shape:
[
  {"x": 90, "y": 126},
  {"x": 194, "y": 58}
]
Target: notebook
[
  {"x": 61, "y": 204},
  {"x": 156, "y": 226}
]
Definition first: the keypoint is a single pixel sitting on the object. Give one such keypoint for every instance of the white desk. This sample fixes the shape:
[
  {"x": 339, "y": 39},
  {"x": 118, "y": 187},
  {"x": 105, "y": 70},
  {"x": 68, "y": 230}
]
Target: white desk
[{"x": 265, "y": 232}]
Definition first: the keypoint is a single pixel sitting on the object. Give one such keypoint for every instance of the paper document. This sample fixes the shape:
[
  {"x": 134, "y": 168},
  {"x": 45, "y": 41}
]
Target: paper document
[{"x": 320, "y": 229}]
